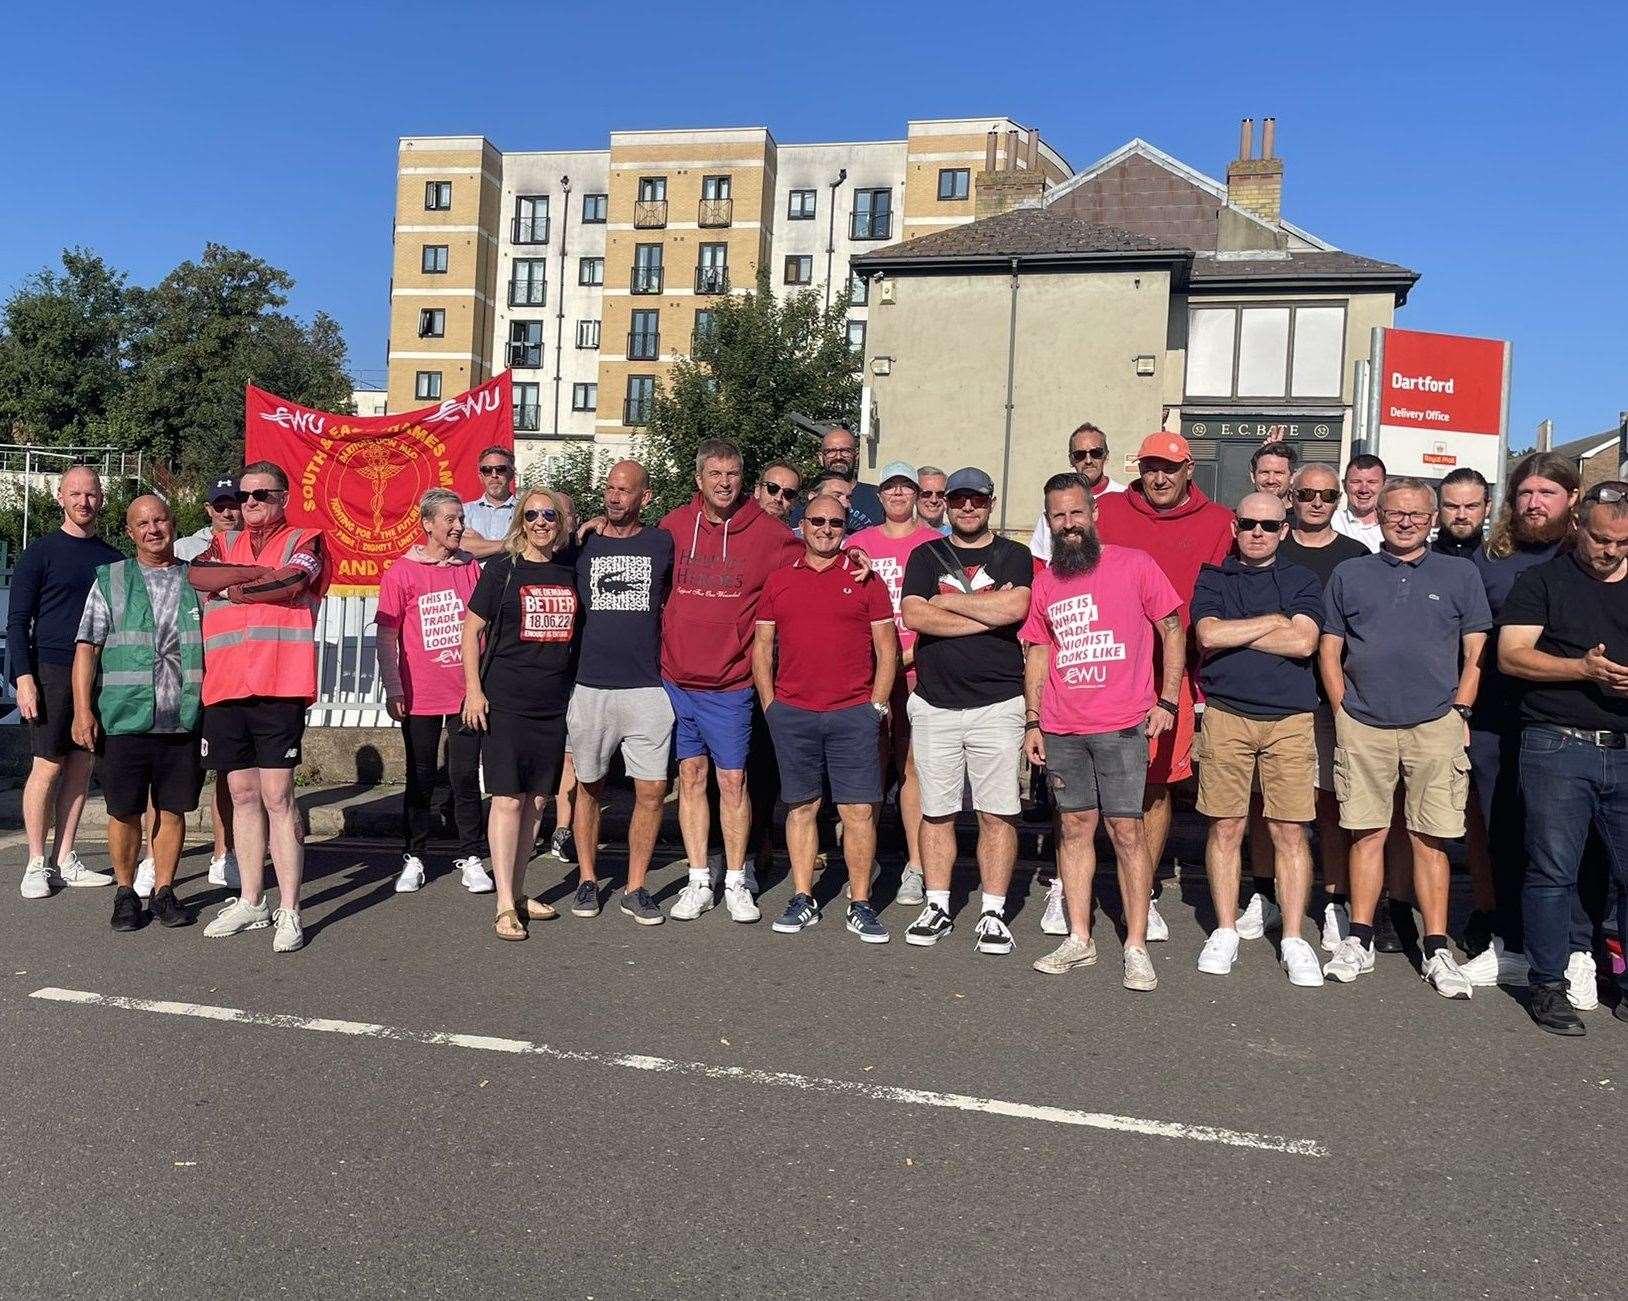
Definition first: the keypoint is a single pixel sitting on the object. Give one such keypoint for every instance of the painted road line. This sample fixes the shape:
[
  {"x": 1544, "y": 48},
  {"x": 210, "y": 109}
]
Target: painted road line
[{"x": 736, "y": 1074}]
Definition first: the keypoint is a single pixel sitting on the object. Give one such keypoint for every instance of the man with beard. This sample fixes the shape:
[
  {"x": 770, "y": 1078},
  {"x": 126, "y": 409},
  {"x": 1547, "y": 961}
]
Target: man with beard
[
  {"x": 1088, "y": 686},
  {"x": 1465, "y": 500},
  {"x": 1257, "y": 618},
  {"x": 839, "y": 455},
  {"x": 1088, "y": 454},
  {"x": 1271, "y": 468}
]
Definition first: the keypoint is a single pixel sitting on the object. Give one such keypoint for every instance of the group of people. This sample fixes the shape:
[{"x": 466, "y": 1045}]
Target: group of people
[{"x": 1392, "y": 665}]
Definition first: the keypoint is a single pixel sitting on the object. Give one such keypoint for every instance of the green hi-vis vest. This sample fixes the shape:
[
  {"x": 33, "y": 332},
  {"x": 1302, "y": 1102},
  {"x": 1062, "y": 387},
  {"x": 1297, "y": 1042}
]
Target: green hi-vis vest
[{"x": 127, "y": 699}]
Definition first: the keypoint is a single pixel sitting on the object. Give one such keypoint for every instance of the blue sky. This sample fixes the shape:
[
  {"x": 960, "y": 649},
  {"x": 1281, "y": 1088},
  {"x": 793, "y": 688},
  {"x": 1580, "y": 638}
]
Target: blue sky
[{"x": 1484, "y": 145}]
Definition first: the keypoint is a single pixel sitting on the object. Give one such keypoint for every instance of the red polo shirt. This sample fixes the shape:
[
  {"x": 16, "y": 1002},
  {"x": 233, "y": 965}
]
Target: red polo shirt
[{"x": 822, "y": 621}]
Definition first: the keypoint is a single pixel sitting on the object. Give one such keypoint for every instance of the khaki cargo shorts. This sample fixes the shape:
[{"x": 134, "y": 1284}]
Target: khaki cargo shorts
[
  {"x": 1229, "y": 751},
  {"x": 1431, "y": 761}
]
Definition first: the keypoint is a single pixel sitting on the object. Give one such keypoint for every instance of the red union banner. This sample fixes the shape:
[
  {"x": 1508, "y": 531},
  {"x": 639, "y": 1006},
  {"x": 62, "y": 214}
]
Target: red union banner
[
  {"x": 1442, "y": 403},
  {"x": 359, "y": 478}
]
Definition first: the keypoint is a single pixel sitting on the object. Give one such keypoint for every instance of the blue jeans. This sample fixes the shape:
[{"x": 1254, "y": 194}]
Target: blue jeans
[{"x": 1568, "y": 786}]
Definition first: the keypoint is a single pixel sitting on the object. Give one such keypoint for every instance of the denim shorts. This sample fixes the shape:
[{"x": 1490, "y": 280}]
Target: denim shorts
[
  {"x": 1105, "y": 770},
  {"x": 715, "y": 723},
  {"x": 842, "y": 746}
]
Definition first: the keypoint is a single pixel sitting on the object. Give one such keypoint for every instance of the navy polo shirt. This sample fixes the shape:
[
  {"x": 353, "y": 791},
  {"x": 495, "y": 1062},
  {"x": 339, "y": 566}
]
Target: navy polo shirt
[{"x": 1402, "y": 621}]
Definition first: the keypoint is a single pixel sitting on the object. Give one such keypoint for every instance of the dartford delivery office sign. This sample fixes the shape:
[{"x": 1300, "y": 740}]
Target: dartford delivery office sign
[{"x": 1443, "y": 402}]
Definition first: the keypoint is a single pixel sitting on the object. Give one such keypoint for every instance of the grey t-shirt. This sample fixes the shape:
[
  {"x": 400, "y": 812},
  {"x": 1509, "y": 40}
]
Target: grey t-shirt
[{"x": 164, "y": 591}]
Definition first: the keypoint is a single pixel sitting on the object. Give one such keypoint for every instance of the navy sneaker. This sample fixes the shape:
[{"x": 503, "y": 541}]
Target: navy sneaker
[
  {"x": 586, "y": 904},
  {"x": 800, "y": 913},
  {"x": 930, "y": 926},
  {"x": 638, "y": 905},
  {"x": 863, "y": 922}
]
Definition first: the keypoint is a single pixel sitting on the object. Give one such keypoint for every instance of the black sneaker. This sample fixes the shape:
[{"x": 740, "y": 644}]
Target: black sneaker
[
  {"x": 1552, "y": 1012},
  {"x": 1477, "y": 937},
  {"x": 932, "y": 925},
  {"x": 638, "y": 905},
  {"x": 586, "y": 904},
  {"x": 126, "y": 909},
  {"x": 170, "y": 911},
  {"x": 1386, "y": 940}
]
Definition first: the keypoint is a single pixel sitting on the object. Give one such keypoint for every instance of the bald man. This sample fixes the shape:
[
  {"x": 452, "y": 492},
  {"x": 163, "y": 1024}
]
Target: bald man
[{"x": 137, "y": 693}]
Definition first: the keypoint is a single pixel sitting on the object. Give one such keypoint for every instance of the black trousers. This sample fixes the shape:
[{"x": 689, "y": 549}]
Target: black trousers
[{"x": 421, "y": 736}]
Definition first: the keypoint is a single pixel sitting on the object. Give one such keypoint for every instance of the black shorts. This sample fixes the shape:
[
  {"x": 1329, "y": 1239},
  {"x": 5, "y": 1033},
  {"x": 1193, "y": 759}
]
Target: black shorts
[
  {"x": 50, "y": 735},
  {"x": 522, "y": 756},
  {"x": 157, "y": 767},
  {"x": 255, "y": 732}
]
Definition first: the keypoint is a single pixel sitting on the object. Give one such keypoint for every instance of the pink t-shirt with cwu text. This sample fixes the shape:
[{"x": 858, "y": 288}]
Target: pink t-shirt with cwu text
[
  {"x": 425, "y": 604},
  {"x": 888, "y": 556}
]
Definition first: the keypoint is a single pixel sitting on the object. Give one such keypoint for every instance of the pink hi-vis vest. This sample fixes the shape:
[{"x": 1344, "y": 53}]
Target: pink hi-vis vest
[{"x": 263, "y": 650}]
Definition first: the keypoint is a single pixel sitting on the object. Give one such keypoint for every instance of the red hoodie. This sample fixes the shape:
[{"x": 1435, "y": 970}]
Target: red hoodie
[{"x": 710, "y": 618}]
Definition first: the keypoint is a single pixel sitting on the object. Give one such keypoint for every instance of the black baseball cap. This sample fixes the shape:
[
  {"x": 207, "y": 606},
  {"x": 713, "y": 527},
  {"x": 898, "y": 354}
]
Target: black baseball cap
[{"x": 225, "y": 486}]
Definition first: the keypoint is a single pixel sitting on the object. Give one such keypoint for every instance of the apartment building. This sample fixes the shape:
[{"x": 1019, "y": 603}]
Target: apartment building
[{"x": 588, "y": 273}]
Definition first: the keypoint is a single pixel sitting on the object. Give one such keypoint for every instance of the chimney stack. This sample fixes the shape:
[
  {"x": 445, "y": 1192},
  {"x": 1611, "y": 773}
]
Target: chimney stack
[
  {"x": 1256, "y": 184},
  {"x": 1246, "y": 138},
  {"x": 1546, "y": 435}
]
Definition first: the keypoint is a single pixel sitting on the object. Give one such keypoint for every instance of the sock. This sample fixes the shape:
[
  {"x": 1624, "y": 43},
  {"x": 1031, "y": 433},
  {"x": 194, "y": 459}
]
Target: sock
[
  {"x": 995, "y": 903},
  {"x": 1431, "y": 944},
  {"x": 1267, "y": 886},
  {"x": 1364, "y": 935},
  {"x": 1337, "y": 897},
  {"x": 700, "y": 876},
  {"x": 735, "y": 876},
  {"x": 939, "y": 899}
]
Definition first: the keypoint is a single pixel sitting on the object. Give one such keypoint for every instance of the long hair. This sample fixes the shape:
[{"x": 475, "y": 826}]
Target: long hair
[
  {"x": 514, "y": 541},
  {"x": 1546, "y": 465}
]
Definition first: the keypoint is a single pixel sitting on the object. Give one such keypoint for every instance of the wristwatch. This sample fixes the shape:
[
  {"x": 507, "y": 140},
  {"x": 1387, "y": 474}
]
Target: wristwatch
[
  {"x": 880, "y": 706},
  {"x": 1463, "y": 711}
]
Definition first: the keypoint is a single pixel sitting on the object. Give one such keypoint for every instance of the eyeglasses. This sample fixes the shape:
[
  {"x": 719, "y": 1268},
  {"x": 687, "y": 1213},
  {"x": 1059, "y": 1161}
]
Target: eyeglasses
[
  {"x": 1247, "y": 525},
  {"x": 1417, "y": 517},
  {"x": 1328, "y": 495},
  {"x": 497, "y": 469},
  {"x": 1089, "y": 454},
  {"x": 541, "y": 513},
  {"x": 969, "y": 501},
  {"x": 778, "y": 489},
  {"x": 927, "y": 495},
  {"x": 825, "y": 522},
  {"x": 261, "y": 494},
  {"x": 840, "y": 451}
]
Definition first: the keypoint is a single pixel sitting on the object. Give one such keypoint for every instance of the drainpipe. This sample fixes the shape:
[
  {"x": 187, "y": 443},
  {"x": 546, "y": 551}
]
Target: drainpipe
[
  {"x": 559, "y": 307},
  {"x": 1011, "y": 367},
  {"x": 831, "y": 233}
]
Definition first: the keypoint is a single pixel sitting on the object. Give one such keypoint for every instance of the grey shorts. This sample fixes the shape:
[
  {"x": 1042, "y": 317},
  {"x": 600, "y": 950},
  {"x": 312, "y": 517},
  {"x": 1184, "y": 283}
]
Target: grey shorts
[
  {"x": 1106, "y": 771},
  {"x": 639, "y": 720}
]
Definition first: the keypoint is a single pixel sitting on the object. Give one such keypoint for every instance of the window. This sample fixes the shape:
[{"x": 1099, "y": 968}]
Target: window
[
  {"x": 859, "y": 289},
  {"x": 641, "y": 396},
  {"x": 434, "y": 260},
  {"x": 590, "y": 271},
  {"x": 587, "y": 334},
  {"x": 594, "y": 207},
  {"x": 585, "y": 397},
  {"x": 800, "y": 269},
  {"x": 652, "y": 189},
  {"x": 437, "y": 196},
  {"x": 528, "y": 411},
  {"x": 530, "y": 219},
  {"x": 715, "y": 208},
  {"x": 714, "y": 187},
  {"x": 706, "y": 323},
  {"x": 644, "y": 339},
  {"x": 856, "y": 338},
  {"x": 873, "y": 215},
  {"x": 646, "y": 269},
  {"x": 427, "y": 385},
  {"x": 526, "y": 344},
  {"x": 712, "y": 269},
  {"x": 528, "y": 283},
  {"x": 800, "y": 205},
  {"x": 432, "y": 323},
  {"x": 1279, "y": 351},
  {"x": 651, "y": 209},
  {"x": 953, "y": 182}
]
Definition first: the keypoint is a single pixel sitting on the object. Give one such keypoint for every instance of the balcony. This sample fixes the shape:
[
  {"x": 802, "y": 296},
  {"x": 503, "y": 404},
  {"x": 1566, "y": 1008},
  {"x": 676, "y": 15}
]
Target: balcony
[
  {"x": 528, "y": 230},
  {"x": 528, "y": 293},
  {"x": 636, "y": 411},
  {"x": 646, "y": 280},
  {"x": 712, "y": 280},
  {"x": 525, "y": 356},
  {"x": 528, "y": 417},
  {"x": 644, "y": 345},
  {"x": 870, "y": 225},
  {"x": 650, "y": 214},
  {"x": 715, "y": 212}
]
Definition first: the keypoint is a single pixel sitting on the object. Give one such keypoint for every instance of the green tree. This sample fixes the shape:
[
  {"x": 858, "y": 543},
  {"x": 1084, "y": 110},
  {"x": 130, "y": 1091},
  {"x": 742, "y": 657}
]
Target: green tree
[
  {"x": 763, "y": 358},
  {"x": 577, "y": 471}
]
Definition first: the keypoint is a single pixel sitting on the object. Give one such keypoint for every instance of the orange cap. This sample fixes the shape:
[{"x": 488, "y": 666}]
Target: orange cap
[{"x": 1167, "y": 447}]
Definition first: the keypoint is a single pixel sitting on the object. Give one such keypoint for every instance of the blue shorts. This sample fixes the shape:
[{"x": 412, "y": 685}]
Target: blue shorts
[
  {"x": 842, "y": 746},
  {"x": 713, "y": 723}
]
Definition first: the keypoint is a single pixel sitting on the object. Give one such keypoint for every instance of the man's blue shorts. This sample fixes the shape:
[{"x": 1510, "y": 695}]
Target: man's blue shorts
[
  {"x": 840, "y": 746},
  {"x": 715, "y": 723}
]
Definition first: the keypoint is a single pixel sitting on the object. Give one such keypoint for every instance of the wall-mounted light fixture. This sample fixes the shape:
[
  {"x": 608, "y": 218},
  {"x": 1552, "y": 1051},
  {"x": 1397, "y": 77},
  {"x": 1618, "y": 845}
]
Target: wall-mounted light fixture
[
  {"x": 1144, "y": 363},
  {"x": 881, "y": 365}
]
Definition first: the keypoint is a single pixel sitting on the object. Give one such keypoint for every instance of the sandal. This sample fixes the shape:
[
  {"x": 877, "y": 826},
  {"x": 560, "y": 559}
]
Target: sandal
[
  {"x": 537, "y": 910},
  {"x": 508, "y": 925}
]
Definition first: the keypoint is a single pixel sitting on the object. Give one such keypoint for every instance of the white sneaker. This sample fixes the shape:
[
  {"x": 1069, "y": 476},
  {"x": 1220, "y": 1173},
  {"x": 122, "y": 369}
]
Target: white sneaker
[
  {"x": 1352, "y": 958},
  {"x": 146, "y": 878},
  {"x": 1582, "y": 983},
  {"x": 1157, "y": 929},
  {"x": 738, "y": 900},
  {"x": 411, "y": 876},
  {"x": 1220, "y": 952},
  {"x": 237, "y": 916},
  {"x": 1297, "y": 958},
  {"x": 1258, "y": 917},
  {"x": 290, "y": 934},
  {"x": 474, "y": 876},
  {"x": 74, "y": 872},
  {"x": 1139, "y": 973},
  {"x": 223, "y": 871},
  {"x": 37, "y": 879},
  {"x": 1336, "y": 925},
  {"x": 1442, "y": 974},
  {"x": 1496, "y": 965},
  {"x": 1054, "y": 921},
  {"x": 693, "y": 900}
]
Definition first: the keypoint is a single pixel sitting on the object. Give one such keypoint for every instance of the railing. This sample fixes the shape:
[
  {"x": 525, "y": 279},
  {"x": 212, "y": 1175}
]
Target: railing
[
  {"x": 650, "y": 214},
  {"x": 643, "y": 345},
  {"x": 350, "y": 692},
  {"x": 646, "y": 280},
  {"x": 529, "y": 230},
  {"x": 525, "y": 356},
  {"x": 715, "y": 212},
  {"x": 528, "y": 293},
  {"x": 636, "y": 411},
  {"x": 712, "y": 280},
  {"x": 528, "y": 417},
  {"x": 870, "y": 225}
]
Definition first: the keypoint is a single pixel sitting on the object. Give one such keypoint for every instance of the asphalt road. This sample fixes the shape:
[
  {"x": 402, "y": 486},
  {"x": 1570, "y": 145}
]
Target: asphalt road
[{"x": 1432, "y": 1147}]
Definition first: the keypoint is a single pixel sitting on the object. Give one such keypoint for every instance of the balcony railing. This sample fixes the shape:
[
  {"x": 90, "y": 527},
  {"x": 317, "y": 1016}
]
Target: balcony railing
[
  {"x": 646, "y": 280},
  {"x": 715, "y": 212},
  {"x": 870, "y": 225},
  {"x": 712, "y": 280},
  {"x": 644, "y": 345},
  {"x": 529, "y": 230},
  {"x": 650, "y": 214},
  {"x": 525, "y": 356},
  {"x": 528, "y": 293},
  {"x": 528, "y": 417},
  {"x": 636, "y": 411}
]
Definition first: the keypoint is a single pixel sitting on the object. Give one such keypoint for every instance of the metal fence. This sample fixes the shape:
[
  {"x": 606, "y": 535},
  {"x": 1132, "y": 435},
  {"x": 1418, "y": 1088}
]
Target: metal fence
[{"x": 350, "y": 692}]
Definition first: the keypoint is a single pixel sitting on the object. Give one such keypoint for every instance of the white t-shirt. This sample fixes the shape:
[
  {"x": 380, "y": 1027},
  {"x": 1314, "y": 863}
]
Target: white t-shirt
[
  {"x": 1370, "y": 535},
  {"x": 1040, "y": 543}
]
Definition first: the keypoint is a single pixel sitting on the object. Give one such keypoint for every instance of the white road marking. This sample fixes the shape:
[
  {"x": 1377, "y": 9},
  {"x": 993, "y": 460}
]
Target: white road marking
[{"x": 639, "y": 1062}]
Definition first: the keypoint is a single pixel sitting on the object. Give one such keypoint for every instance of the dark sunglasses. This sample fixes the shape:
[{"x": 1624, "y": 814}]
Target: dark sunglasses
[
  {"x": 223, "y": 502},
  {"x": 261, "y": 494},
  {"x": 1089, "y": 454},
  {"x": 1329, "y": 495},
  {"x": 1247, "y": 525},
  {"x": 778, "y": 489},
  {"x": 497, "y": 469},
  {"x": 541, "y": 513},
  {"x": 928, "y": 495},
  {"x": 825, "y": 522},
  {"x": 974, "y": 500}
]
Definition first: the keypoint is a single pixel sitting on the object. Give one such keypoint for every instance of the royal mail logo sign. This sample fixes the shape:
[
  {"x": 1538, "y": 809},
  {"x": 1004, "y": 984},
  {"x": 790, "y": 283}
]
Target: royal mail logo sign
[{"x": 1441, "y": 402}]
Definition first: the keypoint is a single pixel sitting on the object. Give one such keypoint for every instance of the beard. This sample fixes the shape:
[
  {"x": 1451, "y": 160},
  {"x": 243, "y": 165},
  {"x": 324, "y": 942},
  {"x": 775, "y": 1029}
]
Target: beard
[
  {"x": 1528, "y": 534},
  {"x": 1074, "y": 552}
]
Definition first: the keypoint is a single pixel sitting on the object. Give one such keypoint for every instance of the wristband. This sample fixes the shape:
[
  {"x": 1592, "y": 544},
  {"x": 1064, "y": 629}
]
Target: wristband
[
  {"x": 1033, "y": 722},
  {"x": 1162, "y": 703}
]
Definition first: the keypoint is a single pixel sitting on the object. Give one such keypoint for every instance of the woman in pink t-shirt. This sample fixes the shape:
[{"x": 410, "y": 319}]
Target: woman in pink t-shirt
[
  {"x": 420, "y": 643},
  {"x": 889, "y": 545}
]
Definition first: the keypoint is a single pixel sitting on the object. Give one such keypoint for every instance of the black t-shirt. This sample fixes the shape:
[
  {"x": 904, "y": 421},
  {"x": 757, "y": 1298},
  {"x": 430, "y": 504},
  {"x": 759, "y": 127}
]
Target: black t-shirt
[
  {"x": 982, "y": 668},
  {"x": 1322, "y": 561},
  {"x": 1576, "y": 613},
  {"x": 537, "y": 629},
  {"x": 623, "y": 583}
]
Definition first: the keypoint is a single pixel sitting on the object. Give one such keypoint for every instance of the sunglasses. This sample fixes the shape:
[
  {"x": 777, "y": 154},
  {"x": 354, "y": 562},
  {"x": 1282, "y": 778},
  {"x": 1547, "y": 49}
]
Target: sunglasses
[
  {"x": 825, "y": 522},
  {"x": 928, "y": 495},
  {"x": 497, "y": 469},
  {"x": 1610, "y": 496},
  {"x": 778, "y": 489},
  {"x": 261, "y": 494},
  {"x": 969, "y": 501},
  {"x": 541, "y": 513},
  {"x": 1089, "y": 454},
  {"x": 1247, "y": 525},
  {"x": 1329, "y": 495}
]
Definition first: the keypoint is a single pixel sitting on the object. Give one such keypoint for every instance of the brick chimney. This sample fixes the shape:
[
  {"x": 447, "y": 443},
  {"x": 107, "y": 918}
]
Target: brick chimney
[
  {"x": 997, "y": 191},
  {"x": 1256, "y": 184}
]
